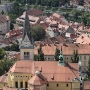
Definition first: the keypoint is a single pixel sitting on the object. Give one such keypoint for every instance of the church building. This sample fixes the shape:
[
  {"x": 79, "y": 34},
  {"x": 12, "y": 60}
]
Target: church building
[{"x": 27, "y": 74}]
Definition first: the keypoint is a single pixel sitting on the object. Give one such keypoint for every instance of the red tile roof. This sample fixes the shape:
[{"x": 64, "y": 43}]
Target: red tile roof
[
  {"x": 37, "y": 80},
  {"x": 50, "y": 70},
  {"x": 35, "y": 12},
  {"x": 3, "y": 78},
  {"x": 68, "y": 49}
]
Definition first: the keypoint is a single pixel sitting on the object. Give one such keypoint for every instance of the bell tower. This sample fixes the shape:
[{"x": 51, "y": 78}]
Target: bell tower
[{"x": 27, "y": 44}]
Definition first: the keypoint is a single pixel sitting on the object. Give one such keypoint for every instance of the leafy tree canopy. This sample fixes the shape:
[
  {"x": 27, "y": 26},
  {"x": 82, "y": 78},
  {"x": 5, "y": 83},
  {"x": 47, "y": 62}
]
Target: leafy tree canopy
[
  {"x": 38, "y": 32},
  {"x": 75, "y": 57},
  {"x": 2, "y": 53},
  {"x": 57, "y": 53}
]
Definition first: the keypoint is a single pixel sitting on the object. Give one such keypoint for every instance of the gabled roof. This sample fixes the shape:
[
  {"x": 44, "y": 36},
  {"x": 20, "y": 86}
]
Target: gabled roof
[
  {"x": 37, "y": 80},
  {"x": 3, "y": 78},
  {"x": 70, "y": 30}
]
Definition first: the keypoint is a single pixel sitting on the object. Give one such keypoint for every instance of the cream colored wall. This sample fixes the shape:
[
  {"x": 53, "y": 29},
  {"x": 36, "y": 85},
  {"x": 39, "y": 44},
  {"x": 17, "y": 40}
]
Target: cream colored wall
[
  {"x": 75, "y": 85},
  {"x": 61, "y": 86},
  {"x": 3, "y": 27},
  {"x": 49, "y": 58},
  {"x": 2, "y": 85},
  {"x": 15, "y": 77},
  {"x": 40, "y": 87},
  {"x": 31, "y": 52}
]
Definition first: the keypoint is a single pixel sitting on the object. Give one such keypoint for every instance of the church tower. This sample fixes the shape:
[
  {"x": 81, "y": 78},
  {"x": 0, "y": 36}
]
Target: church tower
[{"x": 27, "y": 44}]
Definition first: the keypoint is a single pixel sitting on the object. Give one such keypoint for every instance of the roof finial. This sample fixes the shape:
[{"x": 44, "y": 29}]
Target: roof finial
[{"x": 26, "y": 4}]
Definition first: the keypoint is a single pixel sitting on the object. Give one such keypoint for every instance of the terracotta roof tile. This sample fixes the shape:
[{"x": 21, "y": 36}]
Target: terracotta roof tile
[
  {"x": 37, "y": 80},
  {"x": 3, "y": 78},
  {"x": 67, "y": 49},
  {"x": 59, "y": 73},
  {"x": 35, "y": 12}
]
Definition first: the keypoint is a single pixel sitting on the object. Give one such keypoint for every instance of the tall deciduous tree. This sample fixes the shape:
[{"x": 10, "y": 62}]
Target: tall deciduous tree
[
  {"x": 75, "y": 57},
  {"x": 2, "y": 53},
  {"x": 2, "y": 12},
  {"x": 57, "y": 52},
  {"x": 40, "y": 54},
  {"x": 38, "y": 32}
]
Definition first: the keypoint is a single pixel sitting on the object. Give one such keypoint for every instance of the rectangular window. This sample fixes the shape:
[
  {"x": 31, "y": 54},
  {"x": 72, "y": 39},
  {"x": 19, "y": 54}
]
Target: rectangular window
[
  {"x": 16, "y": 84},
  {"x": 47, "y": 85},
  {"x": 84, "y": 69},
  {"x": 25, "y": 84},
  {"x": 24, "y": 53},
  {"x": 21, "y": 84},
  {"x": 66, "y": 85},
  {"x": 84, "y": 57},
  {"x": 27, "y": 53},
  {"x": 57, "y": 85},
  {"x": 84, "y": 63}
]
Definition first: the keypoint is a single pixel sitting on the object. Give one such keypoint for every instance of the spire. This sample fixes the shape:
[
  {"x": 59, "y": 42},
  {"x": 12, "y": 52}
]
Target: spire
[
  {"x": 27, "y": 26},
  {"x": 61, "y": 58}
]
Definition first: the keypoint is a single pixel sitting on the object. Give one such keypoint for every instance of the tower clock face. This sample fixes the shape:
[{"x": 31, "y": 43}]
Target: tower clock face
[
  {"x": 26, "y": 44},
  {"x": 61, "y": 58}
]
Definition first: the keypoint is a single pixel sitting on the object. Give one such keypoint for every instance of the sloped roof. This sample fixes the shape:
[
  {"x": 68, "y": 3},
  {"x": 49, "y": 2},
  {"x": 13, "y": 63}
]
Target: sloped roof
[
  {"x": 50, "y": 70},
  {"x": 49, "y": 49},
  {"x": 37, "y": 80},
  {"x": 83, "y": 39},
  {"x": 3, "y": 78},
  {"x": 70, "y": 30},
  {"x": 35, "y": 12}
]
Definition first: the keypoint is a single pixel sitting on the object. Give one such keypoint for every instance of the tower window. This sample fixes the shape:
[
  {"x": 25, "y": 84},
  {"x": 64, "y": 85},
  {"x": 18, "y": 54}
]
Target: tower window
[
  {"x": 47, "y": 85},
  {"x": 27, "y": 53},
  {"x": 57, "y": 85},
  {"x": 66, "y": 85}
]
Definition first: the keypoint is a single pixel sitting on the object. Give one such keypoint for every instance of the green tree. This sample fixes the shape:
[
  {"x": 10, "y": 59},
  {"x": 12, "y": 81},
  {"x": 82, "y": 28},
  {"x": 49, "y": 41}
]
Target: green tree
[
  {"x": 36, "y": 58},
  {"x": 15, "y": 47},
  {"x": 2, "y": 12},
  {"x": 57, "y": 52},
  {"x": 11, "y": 26},
  {"x": 75, "y": 57},
  {"x": 40, "y": 54},
  {"x": 38, "y": 32},
  {"x": 5, "y": 65},
  {"x": 2, "y": 53}
]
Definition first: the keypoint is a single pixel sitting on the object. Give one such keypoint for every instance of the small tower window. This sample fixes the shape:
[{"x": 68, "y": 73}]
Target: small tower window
[
  {"x": 57, "y": 85},
  {"x": 47, "y": 85},
  {"x": 66, "y": 85}
]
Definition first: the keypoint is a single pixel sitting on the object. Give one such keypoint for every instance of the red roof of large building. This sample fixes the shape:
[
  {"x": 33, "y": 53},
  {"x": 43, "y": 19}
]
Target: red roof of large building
[{"x": 49, "y": 69}]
